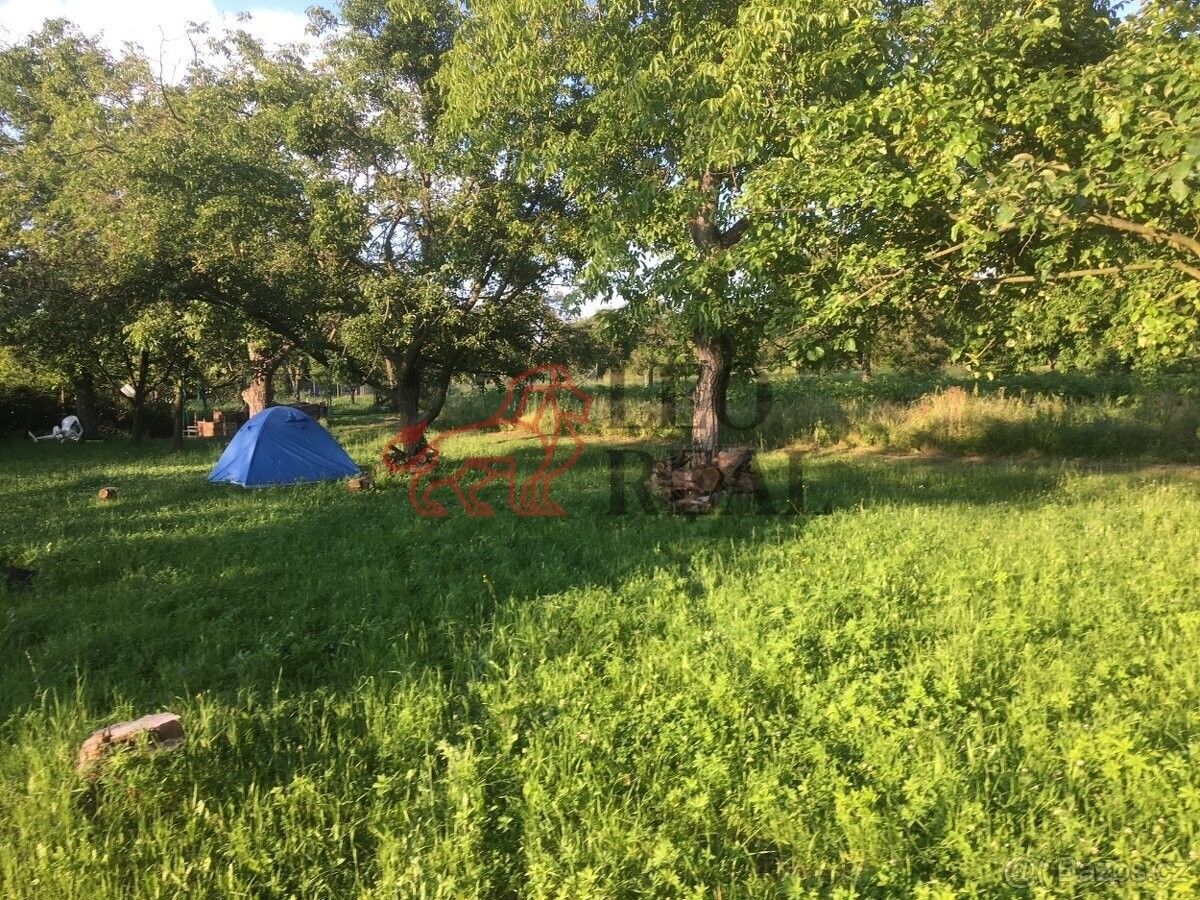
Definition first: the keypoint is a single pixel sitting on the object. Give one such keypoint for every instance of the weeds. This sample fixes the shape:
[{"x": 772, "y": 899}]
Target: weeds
[{"x": 1051, "y": 415}]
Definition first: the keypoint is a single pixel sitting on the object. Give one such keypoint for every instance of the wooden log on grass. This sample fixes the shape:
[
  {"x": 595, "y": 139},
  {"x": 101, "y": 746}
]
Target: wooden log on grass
[
  {"x": 705, "y": 479},
  {"x": 161, "y": 731},
  {"x": 744, "y": 483},
  {"x": 699, "y": 489},
  {"x": 107, "y": 493},
  {"x": 360, "y": 483},
  {"x": 731, "y": 461}
]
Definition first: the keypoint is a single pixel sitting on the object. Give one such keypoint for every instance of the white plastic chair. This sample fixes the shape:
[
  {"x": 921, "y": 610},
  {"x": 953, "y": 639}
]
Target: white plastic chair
[{"x": 69, "y": 430}]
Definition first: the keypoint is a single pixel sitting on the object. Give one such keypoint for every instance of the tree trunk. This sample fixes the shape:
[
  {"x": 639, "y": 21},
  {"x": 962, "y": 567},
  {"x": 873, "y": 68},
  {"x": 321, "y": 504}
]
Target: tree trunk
[
  {"x": 714, "y": 353},
  {"x": 178, "y": 416},
  {"x": 260, "y": 392},
  {"x": 408, "y": 397},
  {"x": 438, "y": 401},
  {"x": 864, "y": 362},
  {"x": 650, "y": 376},
  {"x": 85, "y": 403},
  {"x": 139, "y": 396}
]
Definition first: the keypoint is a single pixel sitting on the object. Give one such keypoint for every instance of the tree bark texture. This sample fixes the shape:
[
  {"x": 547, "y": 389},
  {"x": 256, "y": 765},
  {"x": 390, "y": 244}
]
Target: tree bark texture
[
  {"x": 714, "y": 354},
  {"x": 260, "y": 392}
]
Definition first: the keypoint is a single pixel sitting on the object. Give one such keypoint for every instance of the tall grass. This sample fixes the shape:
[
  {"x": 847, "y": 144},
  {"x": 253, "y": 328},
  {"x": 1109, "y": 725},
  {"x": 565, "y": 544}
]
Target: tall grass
[
  {"x": 1051, "y": 415},
  {"x": 896, "y": 699},
  {"x": 955, "y": 421}
]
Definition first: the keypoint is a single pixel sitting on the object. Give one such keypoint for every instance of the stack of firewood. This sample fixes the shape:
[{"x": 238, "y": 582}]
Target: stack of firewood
[{"x": 698, "y": 489}]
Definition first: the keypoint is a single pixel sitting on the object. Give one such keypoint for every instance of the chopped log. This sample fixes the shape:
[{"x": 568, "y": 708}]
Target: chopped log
[
  {"x": 730, "y": 461},
  {"x": 360, "y": 483},
  {"x": 161, "y": 731},
  {"x": 706, "y": 478},
  {"x": 701, "y": 504},
  {"x": 700, "y": 489},
  {"x": 681, "y": 480},
  {"x": 107, "y": 493}
]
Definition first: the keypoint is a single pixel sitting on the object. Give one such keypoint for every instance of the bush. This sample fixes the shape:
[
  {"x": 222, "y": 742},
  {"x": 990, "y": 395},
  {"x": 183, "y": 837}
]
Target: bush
[
  {"x": 157, "y": 419},
  {"x": 24, "y": 409}
]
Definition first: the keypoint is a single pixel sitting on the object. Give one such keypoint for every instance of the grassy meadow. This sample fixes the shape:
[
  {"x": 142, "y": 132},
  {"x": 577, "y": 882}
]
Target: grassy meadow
[{"x": 953, "y": 671}]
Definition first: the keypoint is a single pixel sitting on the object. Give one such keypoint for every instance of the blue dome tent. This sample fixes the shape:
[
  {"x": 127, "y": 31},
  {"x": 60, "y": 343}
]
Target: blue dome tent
[{"x": 282, "y": 445}]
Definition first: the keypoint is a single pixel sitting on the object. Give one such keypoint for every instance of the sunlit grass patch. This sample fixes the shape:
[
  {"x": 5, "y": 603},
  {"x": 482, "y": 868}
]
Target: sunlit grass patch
[{"x": 941, "y": 667}]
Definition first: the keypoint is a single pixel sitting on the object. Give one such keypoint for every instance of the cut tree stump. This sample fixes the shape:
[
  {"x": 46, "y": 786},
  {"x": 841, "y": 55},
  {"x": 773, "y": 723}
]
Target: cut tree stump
[
  {"x": 360, "y": 483},
  {"x": 699, "y": 489},
  {"x": 107, "y": 493},
  {"x": 161, "y": 731}
]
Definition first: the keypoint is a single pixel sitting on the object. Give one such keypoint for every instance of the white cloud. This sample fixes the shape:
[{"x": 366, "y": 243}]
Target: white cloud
[{"x": 159, "y": 27}]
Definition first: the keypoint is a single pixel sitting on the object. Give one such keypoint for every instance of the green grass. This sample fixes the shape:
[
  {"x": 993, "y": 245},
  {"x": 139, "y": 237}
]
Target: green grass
[{"x": 964, "y": 664}]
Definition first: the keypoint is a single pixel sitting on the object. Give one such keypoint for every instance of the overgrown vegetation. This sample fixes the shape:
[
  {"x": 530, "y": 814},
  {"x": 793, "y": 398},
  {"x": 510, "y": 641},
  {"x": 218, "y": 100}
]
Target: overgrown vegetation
[
  {"x": 1119, "y": 416},
  {"x": 896, "y": 698}
]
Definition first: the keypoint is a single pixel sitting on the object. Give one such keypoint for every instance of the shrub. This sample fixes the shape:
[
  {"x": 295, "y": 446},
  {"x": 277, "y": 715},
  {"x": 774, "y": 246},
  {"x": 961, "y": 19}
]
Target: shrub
[{"x": 24, "y": 409}]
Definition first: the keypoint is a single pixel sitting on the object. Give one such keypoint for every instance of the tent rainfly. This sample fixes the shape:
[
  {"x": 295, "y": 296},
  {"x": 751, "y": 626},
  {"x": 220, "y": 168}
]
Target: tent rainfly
[{"x": 282, "y": 445}]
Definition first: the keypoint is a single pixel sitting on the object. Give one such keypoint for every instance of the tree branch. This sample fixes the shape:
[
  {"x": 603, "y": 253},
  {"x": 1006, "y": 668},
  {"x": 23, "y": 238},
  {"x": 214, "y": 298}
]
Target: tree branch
[
  {"x": 1147, "y": 232},
  {"x": 734, "y": 233},
  {"x": 1191, "y": 271}
]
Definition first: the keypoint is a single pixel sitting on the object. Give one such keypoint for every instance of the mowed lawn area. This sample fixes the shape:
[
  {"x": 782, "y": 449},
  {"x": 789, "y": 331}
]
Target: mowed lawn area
[{"x": 951, "y": 675}]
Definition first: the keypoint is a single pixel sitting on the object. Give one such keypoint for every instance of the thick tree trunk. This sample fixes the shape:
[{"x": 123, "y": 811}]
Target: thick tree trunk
[
  {"x": 85, "y": 404},
  {"x": 650, "y": 376},
  {"x": 407, "y": 397},
  {"x": 714, "y": 353},
  {"x": 139, "y": 396},
  {"x": 260, "y": 392},
  {"x": 438, "y": 401},
  {"x": 864, "y": 362},
  {"x": 177, "y": 410}
]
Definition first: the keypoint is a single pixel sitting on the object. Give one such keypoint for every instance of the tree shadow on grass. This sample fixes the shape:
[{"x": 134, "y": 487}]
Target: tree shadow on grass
[
  {"x": 277, "y": 606},
  {"x": 185, "y": 587}
]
